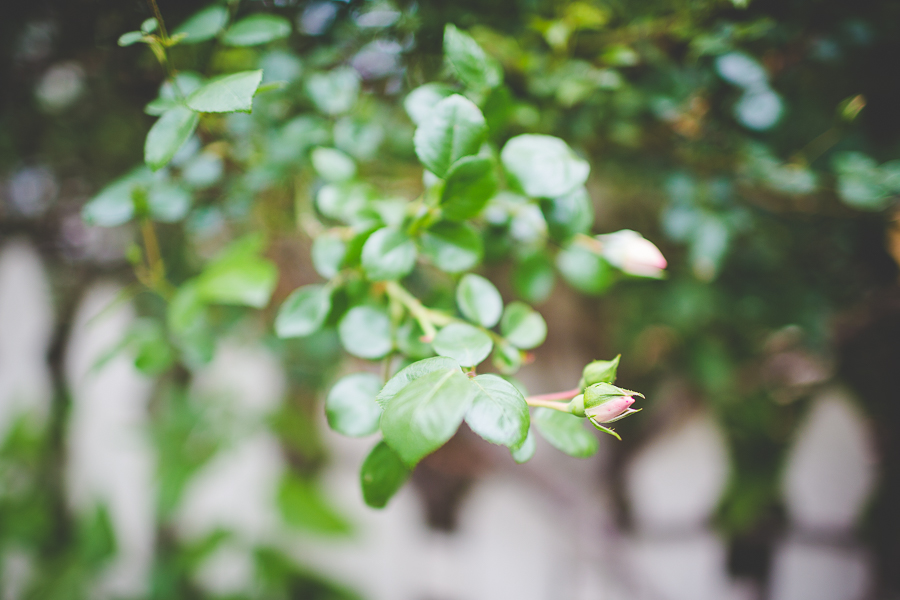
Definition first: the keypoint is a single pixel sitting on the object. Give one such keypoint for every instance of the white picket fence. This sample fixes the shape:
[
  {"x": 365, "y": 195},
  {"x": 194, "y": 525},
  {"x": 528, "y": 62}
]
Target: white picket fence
[{"x": 543, "y": 531}]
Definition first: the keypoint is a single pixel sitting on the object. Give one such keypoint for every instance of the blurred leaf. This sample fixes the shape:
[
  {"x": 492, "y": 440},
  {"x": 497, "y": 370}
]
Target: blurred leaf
[
  {"x": 470, "y": 183},
  {"x": 257, "y": 29},
  {"x": 328, "y": 253},
  {"x": 565, "y": 432},
  {"x": 584, "y": 270},
  {"x": 228, "y": 93},
  {"x": 388, "y": 254},
  {"x": 478, "y": 300},
  {"x": 422, "y": 100},
  {"x": 569, "y": 214},
  {"x": 452, "y": 247},
  {"x": 333, "y": 165},
  {"x": 365, "y": 331},
  {"x": 304, "y": 311},
  {"x": 533, "y": 278},
  {"x": 463, "y": 343},
  {"x": 302, "y": 506},
  {"x": 334, "y": 92},
  {"x": 239, "y": 276},
  {"x": 523, "y": 453},
  {"x": 453, "y": 129},
  {"x": 523, "y": 326},
  {"x": 474, "y": 68},
  {"x": 350, "y": 406},
  {"x": 203, "y": 25},
  {"x": 543, "y": 166}
]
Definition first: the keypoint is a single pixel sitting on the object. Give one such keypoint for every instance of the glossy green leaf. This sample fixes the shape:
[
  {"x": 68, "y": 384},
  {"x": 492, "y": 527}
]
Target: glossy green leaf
[
  {"x": 533, "y": 278},
  {"x": 452, "y": 247},
  {"x": 228, "y": 93},
  {"x": 565, "y": 432},
  {"x": 257, "y": 29},
  {"x": 463, "y": 343},
  {"x": 471, "y": 182},
  {"x": 382, "y": 475},
  {"x": 332, "y": 165},
  {"x": 478, "y": 300},
  {"x": 524, "y": 452},
  {"x": 388, "y": 254},
  {"x": 584, "y": 270},
  {"x": 203, "y": 25},
  {"x": 522, "y": 326},
  {"x": 498, "y": 412},
  {"x": 304, "y": 311},
  {"x": 543, "y": 166},
  {"x": 328, "y": 251},
  {"x": 365, "y": 331},
  {"x": 426, "y": 413},
  {"x": 173, "y": 91},
  {"x": 453, "y": 129},
  {"x": 569, "y": 214},
  {"x": 168, "y": 134},
  {"x": 472, "y": 65},
  {"x": 421, "y": 100},
  {"x": 350, "y": 405},
  {"x": 301, "y": 505},
  {"x": 412, "y": 372}
]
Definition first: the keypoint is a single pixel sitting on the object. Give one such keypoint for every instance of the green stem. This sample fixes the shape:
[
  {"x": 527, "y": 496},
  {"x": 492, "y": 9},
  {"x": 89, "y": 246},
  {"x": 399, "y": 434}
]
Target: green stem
[
  {"x": 560, "y": 406},
  {"x": 566, "y": 395},
  {"x": 427, "y": 318}
]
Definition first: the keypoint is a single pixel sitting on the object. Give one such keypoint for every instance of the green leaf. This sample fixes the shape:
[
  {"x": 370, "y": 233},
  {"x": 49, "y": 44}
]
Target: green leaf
[
  {"x": 410, "y": 342},
  {"x": 452, "y": 247},
  {"x": 257, "y": 29},
  {"x": 168, "y": 203},
  {"x": 533, "y": 278},
  {"x": 173, "y": 91},
  {"x": 334, "y": 92},
  {"x": 543, "y": 166},
  {"x": 471, "y": 182},
  {"x": 463, "y": 343},
  {"x": 333, "y": 165},
  {"x": 478, "y": 300},
  {"x": 507, "y": 358},
  {"x": 382, "y": 475},
  {"x": 149, "y": 25},
  {"x": 412, "y": 372},
  {"x": 350, "y": 406},
  {"x": 302, "y": 505},
  {"x": 453, "y": 129},
  {"x": 498, "y": 413},
  {"x": 565, "y": 432},
  {"x": 130, "y": 37},
  {"x": 524, "y": 452},
  {"x": 522, "y": 326},
  {"x": 114, "y": 204},
  {"x": 421, "y": 100},
  {"x": 239, "y": 276},
  {"x": 203, "y": 25},
  {"x": 304, "y": 311},
  {"x": 168, "y": 134},
  {"x": 328, "y": 251},
  {"x": 569, "y": 214},
  {"x": 474, "y": 68},
  {"x": 228, "y": 93},
  {"x": 365, "y": 331},
  {"x": 426, "y": 413},
  {"x": 585, "y": 271},
  {"x": 347, "y": 202},
  {"x": 388, "y": 254}
]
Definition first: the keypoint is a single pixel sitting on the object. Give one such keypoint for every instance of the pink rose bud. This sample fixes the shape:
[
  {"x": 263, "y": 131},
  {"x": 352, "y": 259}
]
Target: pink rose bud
[
  {"x": 609, "y": 410},
  {"x": 630, "y": 252}
]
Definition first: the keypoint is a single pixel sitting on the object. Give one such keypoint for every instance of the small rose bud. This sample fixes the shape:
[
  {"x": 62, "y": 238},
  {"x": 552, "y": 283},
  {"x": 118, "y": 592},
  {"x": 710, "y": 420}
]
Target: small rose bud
[
  {"x": 600, "y": 371},
  {"x": 606, "y": 403},
  {"x": 630, "y": 252}
]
